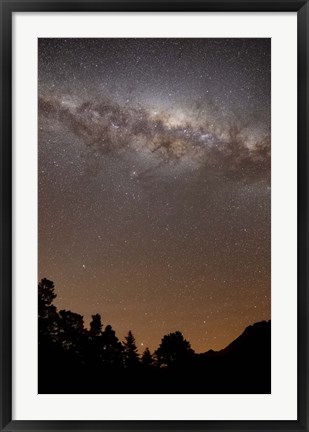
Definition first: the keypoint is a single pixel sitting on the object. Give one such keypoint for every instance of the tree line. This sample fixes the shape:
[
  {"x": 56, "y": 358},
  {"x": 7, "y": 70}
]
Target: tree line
[
  {"x": 100, "y": 345},
  {"x": 74, "y": 359}
]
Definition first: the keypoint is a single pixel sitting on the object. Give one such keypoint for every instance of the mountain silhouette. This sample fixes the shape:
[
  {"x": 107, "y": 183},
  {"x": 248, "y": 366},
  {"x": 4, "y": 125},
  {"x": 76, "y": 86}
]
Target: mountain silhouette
[
  {"x": 74, "y": 359},
  {"x": 250, "y": 342},
  {"x": 244, "y": 366}
]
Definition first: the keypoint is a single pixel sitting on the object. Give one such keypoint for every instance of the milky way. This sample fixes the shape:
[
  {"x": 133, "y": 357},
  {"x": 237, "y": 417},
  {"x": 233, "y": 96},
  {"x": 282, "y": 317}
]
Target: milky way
[{"x": 154, "y": 183}]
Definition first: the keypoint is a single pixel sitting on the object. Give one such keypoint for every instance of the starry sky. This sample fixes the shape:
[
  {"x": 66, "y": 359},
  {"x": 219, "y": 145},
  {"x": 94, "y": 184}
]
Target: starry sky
[{"x": 154, "y": 184}]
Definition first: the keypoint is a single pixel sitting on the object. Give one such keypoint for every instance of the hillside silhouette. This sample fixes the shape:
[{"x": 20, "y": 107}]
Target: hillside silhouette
[{"x": 73, "y": 359}]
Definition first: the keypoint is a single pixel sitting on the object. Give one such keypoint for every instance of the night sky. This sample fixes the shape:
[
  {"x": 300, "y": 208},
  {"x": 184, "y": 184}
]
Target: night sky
[{"x": 154, "y": 184}]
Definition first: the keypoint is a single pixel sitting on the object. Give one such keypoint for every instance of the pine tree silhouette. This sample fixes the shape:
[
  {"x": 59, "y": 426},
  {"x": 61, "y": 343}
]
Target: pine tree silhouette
[{"x": 131, "y": 357}]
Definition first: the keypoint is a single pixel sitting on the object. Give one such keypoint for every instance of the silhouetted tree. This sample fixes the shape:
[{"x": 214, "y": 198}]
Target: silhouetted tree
[
  {"x": 112, "y": 348},
  {"x": 130, "y": 353},
  {"x": 95, "y": 345},
  {"x": 75, "y": 360},
  {"x": 147, "y": 359},
  {"x": 173, "y": 350},
  {"x": 46, "y": 295},
  {"x": 71, "y": 330},
  {"x": 95, "y": 325},
  {"x": 48, "y": 317}
]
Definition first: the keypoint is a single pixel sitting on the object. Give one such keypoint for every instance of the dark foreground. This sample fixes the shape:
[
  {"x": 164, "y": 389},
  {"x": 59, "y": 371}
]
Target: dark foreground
[{"x": 95, "y": 366}]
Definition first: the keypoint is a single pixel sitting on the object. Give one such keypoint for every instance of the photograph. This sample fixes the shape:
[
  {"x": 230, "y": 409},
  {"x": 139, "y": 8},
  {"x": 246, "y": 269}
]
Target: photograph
[{"x": 154, "y": 215}]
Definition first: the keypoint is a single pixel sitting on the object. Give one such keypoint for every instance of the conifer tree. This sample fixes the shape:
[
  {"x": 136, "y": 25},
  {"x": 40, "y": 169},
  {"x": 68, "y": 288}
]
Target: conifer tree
[{"x": 131, "y": 357}]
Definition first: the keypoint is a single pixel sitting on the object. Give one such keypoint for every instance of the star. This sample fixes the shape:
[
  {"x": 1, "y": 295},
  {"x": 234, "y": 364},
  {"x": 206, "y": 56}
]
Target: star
[{"x": 154, "y": 168}]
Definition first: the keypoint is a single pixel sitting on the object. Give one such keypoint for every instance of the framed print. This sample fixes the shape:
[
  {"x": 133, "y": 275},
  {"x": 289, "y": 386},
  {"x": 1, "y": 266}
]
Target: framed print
[{"x": 154, "y": 215}]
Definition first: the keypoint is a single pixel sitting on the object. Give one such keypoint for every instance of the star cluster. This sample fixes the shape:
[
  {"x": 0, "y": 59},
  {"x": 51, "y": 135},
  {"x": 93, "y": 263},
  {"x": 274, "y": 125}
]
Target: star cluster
[{"x": 154, "y": 183}]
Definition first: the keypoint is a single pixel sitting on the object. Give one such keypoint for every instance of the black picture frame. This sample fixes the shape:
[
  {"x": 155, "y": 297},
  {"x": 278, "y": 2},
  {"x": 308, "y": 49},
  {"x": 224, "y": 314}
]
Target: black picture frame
[{"x": 7, "y": 9}]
